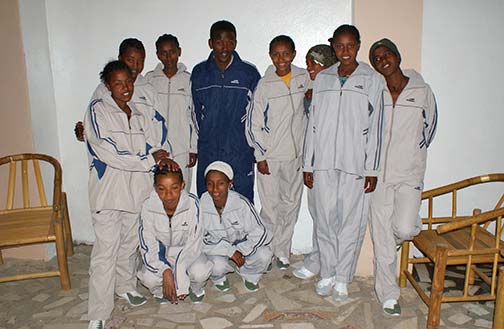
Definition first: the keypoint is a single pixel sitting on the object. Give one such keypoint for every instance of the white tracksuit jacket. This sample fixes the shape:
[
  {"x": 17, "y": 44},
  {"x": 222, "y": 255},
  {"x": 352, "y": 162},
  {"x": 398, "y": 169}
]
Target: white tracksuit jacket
[
  {"x": 119, "y": 155},
  {"x": 146, "y": 100},
  {"x": 409, "y": 128},
  {"x": 176, "y": 107},
  {"x": 238, "y": 228},
  {"x": 179, "y": 239},
  {"x": 354, "y": 136},
  {"x": 276, "y": 123}
]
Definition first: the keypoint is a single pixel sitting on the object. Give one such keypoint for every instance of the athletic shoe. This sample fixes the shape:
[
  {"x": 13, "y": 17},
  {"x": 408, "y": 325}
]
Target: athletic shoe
[
  {"x": 324, "y": 286},
  {"x": 96, "y": 324},
  {"x": 161, "y": 300},
  {"x": 252, "y": 287},
  {"x": 340, "y": 293},
  {"x": 282, "y": 263},
  {"x": 391, "y": 307},
  {"x": 270, "y": 267},
  {"x": 222, "y": 285},
  {"x": 197, "y": 298},
  {"x": 303, "y": 273},
  {"x": 133, "y": 298}
]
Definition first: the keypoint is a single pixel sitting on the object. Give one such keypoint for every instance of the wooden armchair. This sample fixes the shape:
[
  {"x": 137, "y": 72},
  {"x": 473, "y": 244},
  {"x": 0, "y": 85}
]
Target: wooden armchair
[
  {"x": 43, "y": 223},
  {"x": 458, "y": 240}
]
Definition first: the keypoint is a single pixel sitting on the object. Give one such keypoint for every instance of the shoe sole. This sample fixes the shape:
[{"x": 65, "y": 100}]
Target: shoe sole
[{"x": 302, "y": 277}]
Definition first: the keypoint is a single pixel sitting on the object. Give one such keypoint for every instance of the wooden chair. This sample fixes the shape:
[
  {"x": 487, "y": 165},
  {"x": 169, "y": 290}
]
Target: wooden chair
[
  {"x": 457, "y": 240},
  {"x": 44, "y": 223}
]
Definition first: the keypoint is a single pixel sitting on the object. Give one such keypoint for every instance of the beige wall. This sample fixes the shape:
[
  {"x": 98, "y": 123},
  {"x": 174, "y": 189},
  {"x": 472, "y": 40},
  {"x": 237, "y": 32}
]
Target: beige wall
[
  {"x": 400, "y": 21},
  {"x": 15, "y": 125}
]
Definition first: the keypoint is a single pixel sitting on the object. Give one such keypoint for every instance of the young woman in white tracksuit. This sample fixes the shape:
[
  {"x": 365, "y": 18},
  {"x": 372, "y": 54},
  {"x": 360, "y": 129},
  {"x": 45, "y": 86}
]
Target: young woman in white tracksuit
[
  {"x": 318, "y": 58},
  {"x": 171, "y": 241},
  {"x": 233, "y": 231},
  {"x": 171, "y": 81},
  {"x": 123, "y": 147},
  {"x": 409, "y": 128},
  {"x": 275, "y": 129},
  {"x": 341, "y": 158}
]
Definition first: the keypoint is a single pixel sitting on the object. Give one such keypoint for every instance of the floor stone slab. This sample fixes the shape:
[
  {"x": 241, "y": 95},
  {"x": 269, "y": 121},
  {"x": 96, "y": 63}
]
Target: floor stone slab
[
  {"x": 254, "y": 313},
  {"x": 215, "y": 323}
]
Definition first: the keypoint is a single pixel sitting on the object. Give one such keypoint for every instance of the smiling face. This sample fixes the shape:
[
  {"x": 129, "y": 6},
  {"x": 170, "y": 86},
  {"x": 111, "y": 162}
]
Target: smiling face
[
  {"x": 120, "y": 84},
  {"x": 385, "y": 61},
  {"x": 169, "y": 187},
  {"x": 168, "y": 53},
  {"x": 218, "y": 186},
  {"x": 135, "y": 59},
  {"x": 223, "y": 45},
  {"x": 282, "y": 55},
  {"x": 313, "y": 67},
  {"x": 346, "y": 48}
]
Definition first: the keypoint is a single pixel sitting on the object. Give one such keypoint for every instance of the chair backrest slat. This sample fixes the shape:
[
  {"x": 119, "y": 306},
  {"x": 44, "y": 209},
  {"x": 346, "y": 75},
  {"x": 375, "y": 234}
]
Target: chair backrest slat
[
  {"x": 40, "y": 183},
  {"x": 24, "y": 177},
  {"x": 12, "y": 184}
]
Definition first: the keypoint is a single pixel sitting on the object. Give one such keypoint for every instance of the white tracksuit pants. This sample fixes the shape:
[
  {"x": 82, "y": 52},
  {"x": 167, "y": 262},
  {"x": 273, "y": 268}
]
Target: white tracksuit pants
[
  {"x": 340, "y": 221},
  {"x": 280, "y": 194},
  {"x": 183, "y": 161},
  {"x": 394, "y": 219},
  {"x": 113, "y": 260},
  {"x": 254, "y": 267},
  {"x": 198, "y": 273},
  {"x": 312, "y": 260}
]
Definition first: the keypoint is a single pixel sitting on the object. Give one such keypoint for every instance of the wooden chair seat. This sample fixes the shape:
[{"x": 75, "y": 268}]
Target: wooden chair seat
[
  {"x": 26, "y": 227},
  {"x": 459, "y": 240}
]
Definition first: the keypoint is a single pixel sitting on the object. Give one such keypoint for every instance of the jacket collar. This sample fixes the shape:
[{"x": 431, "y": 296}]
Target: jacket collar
[
  {"x": 232, "y": 203},
  {"x": 211, "y": 66},
  {"x": 154, "y": 203}
]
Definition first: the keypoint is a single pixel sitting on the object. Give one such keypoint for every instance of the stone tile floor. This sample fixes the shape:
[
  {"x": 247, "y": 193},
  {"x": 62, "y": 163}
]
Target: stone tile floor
[{"x": 283, "y": 302}]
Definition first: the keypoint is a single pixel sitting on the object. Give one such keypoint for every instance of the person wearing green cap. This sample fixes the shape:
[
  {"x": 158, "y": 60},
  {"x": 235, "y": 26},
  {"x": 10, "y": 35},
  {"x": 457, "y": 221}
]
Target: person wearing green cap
[{"x": 410, "y": 120}]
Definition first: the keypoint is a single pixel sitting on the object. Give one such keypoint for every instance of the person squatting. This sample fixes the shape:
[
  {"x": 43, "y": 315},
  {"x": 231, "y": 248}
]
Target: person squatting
[{"x": 340, "y": 126}]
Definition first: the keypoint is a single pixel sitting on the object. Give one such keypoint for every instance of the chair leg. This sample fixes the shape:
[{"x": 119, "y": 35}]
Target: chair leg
[
  {"x": 498, "y": 322},
  {"x": 1, "y": 258},
  {"x": 404, "y": 264},
  {"x": 438, "y": 278},
  {"x": 61, "y": 256},
  {"x": 67, "y": 227}
]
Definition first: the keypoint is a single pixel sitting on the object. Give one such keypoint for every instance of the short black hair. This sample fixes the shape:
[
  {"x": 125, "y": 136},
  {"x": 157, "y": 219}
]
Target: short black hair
[
  {"x": 283, "y": 38},
  {"x": 164, "y": 171},
  {"x": 166, "y": 38},
  {"x": 346, "y": 28},
  {"x": 111, "y": 67},
  {"x": 130, "y": 43},
  {"x": 221, "y": 26}
]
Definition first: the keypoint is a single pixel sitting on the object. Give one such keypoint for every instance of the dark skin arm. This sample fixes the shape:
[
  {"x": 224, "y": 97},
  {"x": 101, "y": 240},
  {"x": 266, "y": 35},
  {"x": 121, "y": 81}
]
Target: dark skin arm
[
  {"x": 370, "y": 184},
  {"x": 263, "y": 168},
  {"x": 193, "y": 157},
  {"x": 169, "y": 290},
  {"x": 238, "y": 258}
]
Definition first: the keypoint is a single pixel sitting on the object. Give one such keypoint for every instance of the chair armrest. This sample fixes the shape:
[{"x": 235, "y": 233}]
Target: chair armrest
[{"x": 478, "y": 219}]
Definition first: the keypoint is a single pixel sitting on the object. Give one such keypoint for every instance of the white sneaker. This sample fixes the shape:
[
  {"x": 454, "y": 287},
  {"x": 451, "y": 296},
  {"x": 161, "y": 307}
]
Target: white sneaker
[
  {"x": 303, "y": 273},
  {"x": 324, "y": 286},
  {"x": 391, "y": 307},
  {"x": 96, "y": 324},
  {"x": 340, "y": 293},
  {"x": 133, "y": 298}
]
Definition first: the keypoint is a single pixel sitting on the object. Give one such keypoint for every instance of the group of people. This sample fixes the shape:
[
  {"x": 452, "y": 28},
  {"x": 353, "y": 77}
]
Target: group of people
[{"x": 340, "y": 127}]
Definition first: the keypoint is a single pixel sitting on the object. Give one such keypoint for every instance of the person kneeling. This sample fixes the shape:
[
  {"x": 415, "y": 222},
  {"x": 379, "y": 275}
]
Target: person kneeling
[
  {"x": 233, "y": 230},
  {"x": 171, "y": 238}
]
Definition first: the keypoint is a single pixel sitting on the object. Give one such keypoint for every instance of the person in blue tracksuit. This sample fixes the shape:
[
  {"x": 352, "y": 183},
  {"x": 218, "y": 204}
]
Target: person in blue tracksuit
[{"x": 222, "y": 88}]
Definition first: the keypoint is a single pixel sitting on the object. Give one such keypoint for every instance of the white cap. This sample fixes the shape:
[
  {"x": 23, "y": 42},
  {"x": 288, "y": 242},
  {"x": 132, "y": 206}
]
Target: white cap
[{"x": 222, "y": 167}]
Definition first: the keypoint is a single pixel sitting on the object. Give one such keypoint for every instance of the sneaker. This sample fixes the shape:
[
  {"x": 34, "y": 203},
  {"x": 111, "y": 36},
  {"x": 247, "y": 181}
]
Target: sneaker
[
  {"x": 96, "y": 324},
  {"x": 324, "y": 286},
  {"x": 270, "y": 267},
  {"x": 391, "y": 307},
  {"x": 196, "y": 298},
  {"x": 303, "y": 273},
  {"x": 222, "y": 285},
  {"x": 282, "y": 263},
  {"x": 252, "y": 287},
  {"x": 161, "y": 300},
  {"x": 133, "y": 298},
  {"x": 340, "y": 293}
]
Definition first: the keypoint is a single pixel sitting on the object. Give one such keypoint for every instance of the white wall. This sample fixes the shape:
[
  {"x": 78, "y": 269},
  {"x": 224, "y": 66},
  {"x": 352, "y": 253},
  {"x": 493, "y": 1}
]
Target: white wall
[
  {"x": 83, "y": 35},
  {"x": 462, "y": 53}
]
